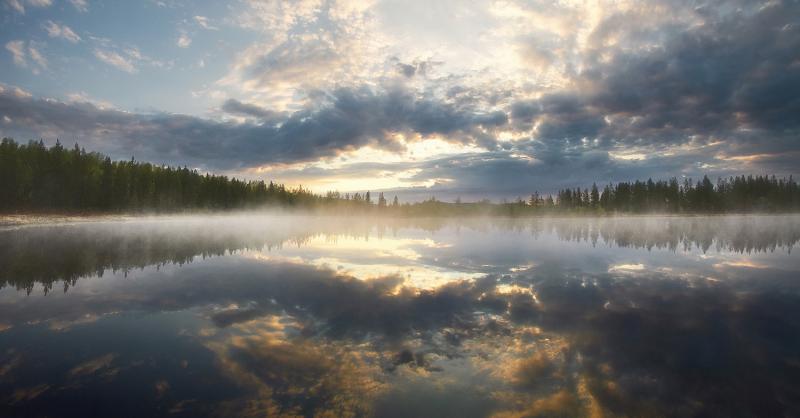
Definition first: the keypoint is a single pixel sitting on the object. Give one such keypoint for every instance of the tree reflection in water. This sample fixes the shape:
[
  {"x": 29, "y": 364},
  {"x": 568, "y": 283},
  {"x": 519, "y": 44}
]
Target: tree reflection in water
[{"x": 236, "y": 316}]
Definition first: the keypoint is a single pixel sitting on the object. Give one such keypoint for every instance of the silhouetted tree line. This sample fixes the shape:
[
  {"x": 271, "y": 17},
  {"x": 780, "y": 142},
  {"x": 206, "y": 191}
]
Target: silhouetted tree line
[
  {"x": 741, "y": 194},
  {"x": 735, "y": 194},
  {"x": 35, "y": 177}
]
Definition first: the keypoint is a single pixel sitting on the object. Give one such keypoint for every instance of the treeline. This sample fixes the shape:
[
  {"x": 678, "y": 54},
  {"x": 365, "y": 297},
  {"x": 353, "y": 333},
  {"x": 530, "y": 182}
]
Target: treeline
[
  {"x": 34, "y": 177},
  {"x": 742, "y": 194},
  {"x": 739, "y": 194}
]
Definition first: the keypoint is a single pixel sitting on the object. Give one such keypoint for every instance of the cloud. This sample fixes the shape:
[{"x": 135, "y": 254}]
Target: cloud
[
  {"x": 506, "y": 174},
  {"x": 238, "y": 108},
  {"x": 19, "y": 5},
  {"x": 37, "y": 57},
  {"x": 702, "y": 91},
  {"x": 17, "y": 50},
  {"x": 417, "y": 67},
  {"x": 20, "y": 54},
  {"x": 696, "y": 82},
  {"x": 277, "y": 17},
  {"x": 184, "y": 40},
  {"x": 204, "y": 23},
  {"x": 344, "y": 120},
  {"x": 629, "y": 88},
  {"x": 16, "y": 5},
  {"x": 126, "y": 57},
  {"x": 83, "y": 97},
  {"x": 116, "y": 60},
  {"x": 54, "y": 30},
  {"x": 534, "y": 165},
  {"x": 80, "y": 5},
  {"x": 711, "y": 80},
  {"x": 291, "y": 64},
  {"x": 309, "y": 46}
]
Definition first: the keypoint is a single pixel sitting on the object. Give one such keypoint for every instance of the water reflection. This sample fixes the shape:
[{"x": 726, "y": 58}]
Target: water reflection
[
  {"x": 47, "y": 254},
  {"x": 304, "y": 316}
]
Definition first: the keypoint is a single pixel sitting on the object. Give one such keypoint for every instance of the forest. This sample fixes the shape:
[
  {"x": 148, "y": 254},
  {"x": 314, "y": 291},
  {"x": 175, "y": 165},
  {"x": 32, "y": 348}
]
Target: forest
[
  {"x": 37, "y": 178},
  {"x": 34, "y": 177}
]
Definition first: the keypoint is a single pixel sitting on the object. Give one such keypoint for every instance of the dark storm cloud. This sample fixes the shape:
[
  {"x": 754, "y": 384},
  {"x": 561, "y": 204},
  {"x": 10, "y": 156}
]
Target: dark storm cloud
[
  {"x": 727, "y": 87},
  {"x": 736, "y": 70},
  {"x": 238, "y": 108},
  {"x": 345, "y": 119},
  {"x": 733, "y": 81},
  {"x": 740, "y": 72},
  {"x": 523, "y": 113}
]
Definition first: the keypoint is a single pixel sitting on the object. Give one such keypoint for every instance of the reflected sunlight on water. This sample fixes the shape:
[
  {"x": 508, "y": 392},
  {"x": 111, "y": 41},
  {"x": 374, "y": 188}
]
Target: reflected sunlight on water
[{"x": 266, "y": 316}]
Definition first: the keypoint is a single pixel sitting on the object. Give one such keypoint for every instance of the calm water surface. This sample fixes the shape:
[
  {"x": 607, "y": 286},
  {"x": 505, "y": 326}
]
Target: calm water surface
[{"x": 311, "y": 316}]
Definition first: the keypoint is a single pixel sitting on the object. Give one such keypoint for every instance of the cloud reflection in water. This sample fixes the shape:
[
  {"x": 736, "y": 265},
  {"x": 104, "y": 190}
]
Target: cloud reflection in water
[{"x": 639, "y": 316}]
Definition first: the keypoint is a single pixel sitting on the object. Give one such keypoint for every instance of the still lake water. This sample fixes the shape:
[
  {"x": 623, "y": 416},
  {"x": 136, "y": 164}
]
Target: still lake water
[{"x": 311, "y": 316}]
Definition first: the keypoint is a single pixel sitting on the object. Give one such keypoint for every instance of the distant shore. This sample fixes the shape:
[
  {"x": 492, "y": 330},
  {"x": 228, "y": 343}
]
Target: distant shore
[
  {"x": 38, "y": 179},
  {"x": 22, "y": 219}
]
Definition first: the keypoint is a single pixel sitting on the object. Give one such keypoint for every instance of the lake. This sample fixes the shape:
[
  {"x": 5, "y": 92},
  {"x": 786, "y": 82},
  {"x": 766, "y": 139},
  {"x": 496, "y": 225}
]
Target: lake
[{"x": 281, "y": 315}]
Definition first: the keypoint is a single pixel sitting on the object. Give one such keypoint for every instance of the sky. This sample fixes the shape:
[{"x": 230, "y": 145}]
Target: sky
[{"x": 417, "y": 98}]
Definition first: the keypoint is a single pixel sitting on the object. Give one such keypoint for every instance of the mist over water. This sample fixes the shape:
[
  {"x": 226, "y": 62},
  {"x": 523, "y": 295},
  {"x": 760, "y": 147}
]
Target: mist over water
[{"x": 265, "y": 315}]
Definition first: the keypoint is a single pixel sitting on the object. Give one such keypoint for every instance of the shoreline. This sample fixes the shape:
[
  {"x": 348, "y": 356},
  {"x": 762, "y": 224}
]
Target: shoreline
[{"x": 37, "y": 218}]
